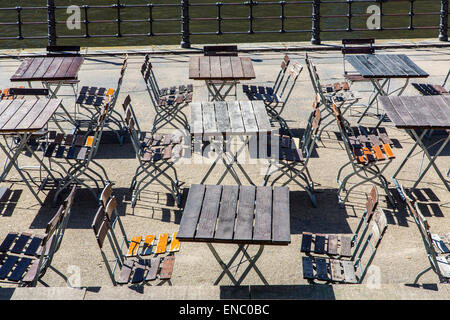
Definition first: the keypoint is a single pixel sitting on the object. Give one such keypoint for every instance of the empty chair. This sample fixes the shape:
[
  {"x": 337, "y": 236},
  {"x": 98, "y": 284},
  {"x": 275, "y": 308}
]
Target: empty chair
[
  {"x": 142, "y": 260},
  {"x": 288, "y": 156},
  {"x": 436, "y": 249},
  {"x": 369, "y": 156},
  {"x": 341, "y": 246},
  {"x": 156, "y": 154},
  {"x": 253, "y": 89},
  {"x": 26, "y": 257},
  {"x": 276, "y": 101},
  {"x": 92, "y": 100},
  {"x": 168, "y": 102},
  {"x": 347, "y": 271},
  {"x": 326, "y": 94}
]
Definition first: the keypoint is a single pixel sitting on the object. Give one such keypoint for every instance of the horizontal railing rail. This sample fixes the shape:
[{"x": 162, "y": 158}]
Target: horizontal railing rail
[{"x": 184, "y": 19}]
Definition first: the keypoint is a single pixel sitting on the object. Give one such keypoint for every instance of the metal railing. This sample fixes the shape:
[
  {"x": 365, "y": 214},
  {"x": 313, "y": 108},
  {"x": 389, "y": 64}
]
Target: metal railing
[{"x": 324, "y": 16}]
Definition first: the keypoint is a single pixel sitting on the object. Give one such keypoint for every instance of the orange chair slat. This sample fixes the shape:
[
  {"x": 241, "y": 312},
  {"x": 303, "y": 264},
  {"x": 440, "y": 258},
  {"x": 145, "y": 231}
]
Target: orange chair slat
[
  {"x": 368, "y": 154},
  {"x": 110, "y": 92},
  {"x": 162, "y": 243},
  {"x": 378, "y": 153},
  {"x": 175, "y": 243},
  {"x": 89, "y": 141},
  {"x": 359, "y": 155},
  {"x": 134, "y": 246},
  {"x": 148, "y": 242},
  {"x": 388, "y": 151}
]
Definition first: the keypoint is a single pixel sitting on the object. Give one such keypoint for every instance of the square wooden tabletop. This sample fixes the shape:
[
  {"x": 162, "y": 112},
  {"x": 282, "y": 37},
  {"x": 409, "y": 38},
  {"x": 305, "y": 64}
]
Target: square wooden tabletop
[
  {"x": 221, "y": 68},
  {"x": 385, "y": 66},
  {"x": 234, "y": 118},
  {"x": 236, "y": 214},
  {"x": 19, "y": 115},
  {"x": 418, "y": 112},
  {"x": 48, "y": 68}
]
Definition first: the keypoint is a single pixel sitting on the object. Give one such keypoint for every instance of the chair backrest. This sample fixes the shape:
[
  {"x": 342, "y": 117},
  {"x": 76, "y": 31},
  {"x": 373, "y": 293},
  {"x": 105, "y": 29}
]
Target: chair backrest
[
  {"x": 366, "y": 217},
  {"x": 150, "y": 80},
  {"x": 310, "y": 135},
  {"x": 357, "y": 46},
  {"x": 315, "y": 81},
  {"x": 28, "y": 92},
  {"x": 379, "y": 226},
  {"x": 224, "y": 50},
  {"x": 115, "y": 96},
  {"x": 283, "y": 70},
  {"x": 287, "y": 84},
  {"x": 63, "y": 51}
]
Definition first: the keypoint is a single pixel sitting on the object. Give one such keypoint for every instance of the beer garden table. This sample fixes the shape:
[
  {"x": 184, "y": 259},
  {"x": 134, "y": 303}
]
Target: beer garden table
[
  {"x": 218, "y": 72},
  {"x": 417, "y": 115},
  {"x": 21, "y": 119}
]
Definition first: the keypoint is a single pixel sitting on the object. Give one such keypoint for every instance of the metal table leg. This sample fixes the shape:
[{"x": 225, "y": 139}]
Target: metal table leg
[
  {"x": 226, "y": 267},
  {"x": 431, "y": 159}
]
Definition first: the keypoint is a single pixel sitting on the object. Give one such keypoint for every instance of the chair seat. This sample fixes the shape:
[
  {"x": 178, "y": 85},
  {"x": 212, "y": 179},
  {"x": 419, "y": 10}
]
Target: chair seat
[{"x": 144, "y": 270}]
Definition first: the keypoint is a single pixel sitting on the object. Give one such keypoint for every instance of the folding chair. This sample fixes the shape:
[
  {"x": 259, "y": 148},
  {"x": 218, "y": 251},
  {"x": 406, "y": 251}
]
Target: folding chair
[
  {"x": 156, "y": 155},
  {"x": 341, "y": 246},
  {"x": 275, "y": 102},
  {"x": 369, "y": 156},
  {"x": 25, "y": 257},
  {"x": 438, "y": 252},
  {"x": 92, "y": 99},
  {"x": 73, "y": 154},
  {"x": 347, "y": 271},
  {"x": 167, "y": 102},
  {"x": 270, "y": 90},
  {"x": 291, "y": 156},
  {"x": 339, "y": 92},
  {"x": 144, "y": 260},
  {"x": 428, "y": 89}
]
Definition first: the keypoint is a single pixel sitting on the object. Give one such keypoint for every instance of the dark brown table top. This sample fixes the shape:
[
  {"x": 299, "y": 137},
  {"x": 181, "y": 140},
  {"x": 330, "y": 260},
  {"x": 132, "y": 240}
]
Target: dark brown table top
[
  {"x": 221, "y": 68},
  {"x": 418, "y": 112},
  {"x": 29, "y": 115},
  {"x": 236, "y": 214},
  {"x": 48, "y": 68},
  {"x": 385, "y": 66}
]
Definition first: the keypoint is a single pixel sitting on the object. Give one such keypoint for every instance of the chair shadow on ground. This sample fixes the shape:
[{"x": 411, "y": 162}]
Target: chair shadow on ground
[
  {"x": 110, "y": 147},
  {"x": 9, "y": 202},
  {"x": 309, "y": 292}
]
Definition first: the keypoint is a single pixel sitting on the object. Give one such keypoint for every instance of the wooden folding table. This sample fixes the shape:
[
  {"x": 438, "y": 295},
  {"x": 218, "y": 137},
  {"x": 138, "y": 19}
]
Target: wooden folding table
[
  {"x": 20, "y": 120},
  {"x": 239, "y": 215},
  {"x": 50, "y": 71},
  {"x": 220, "y": 73},
  {"x": 225, "y": 120},
  {"x": 380, "y": 69},
  {"x": 417, "y": 115}
]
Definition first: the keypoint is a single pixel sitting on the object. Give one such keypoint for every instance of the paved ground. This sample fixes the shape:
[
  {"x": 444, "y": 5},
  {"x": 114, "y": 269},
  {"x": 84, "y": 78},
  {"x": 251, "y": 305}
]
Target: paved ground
[{"x": 400, "y": 256}]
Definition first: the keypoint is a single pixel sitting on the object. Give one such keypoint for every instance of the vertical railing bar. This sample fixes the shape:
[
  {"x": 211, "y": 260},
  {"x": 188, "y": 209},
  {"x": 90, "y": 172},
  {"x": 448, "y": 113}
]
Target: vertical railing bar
[
  {"x": 185, "y": 32},
  {"x": 283, "y": 16},
  {"x": 219, "y": 17},
  {"x": 443, "y": 24},
  {"x": 381, "y": 15},
  {"x": 86, "y": 21},
  {"x": 51, "y": 20},
  {"x": 150, "y": 18},
  {"x": 119, "y": 31},
  {"x": 411, "y": 15},
  {"x": 19, "y": 22},
  {"x": 315, "y": 39},
  {"x": 349, "y": 15}
]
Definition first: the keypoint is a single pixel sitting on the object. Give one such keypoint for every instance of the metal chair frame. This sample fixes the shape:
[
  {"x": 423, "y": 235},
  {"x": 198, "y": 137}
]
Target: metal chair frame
[
  {"x": 164, "y": 114},
  {"x": 422, "y": 224},
  {"x": 151, "y": 170},
  {"x": 367, "y": 172}
]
